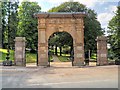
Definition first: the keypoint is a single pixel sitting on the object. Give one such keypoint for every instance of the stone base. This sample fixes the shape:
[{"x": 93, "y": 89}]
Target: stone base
[
  {"x": 43, "y": 64},
  {"x": 102, "y": 64},
  {"x": 78, "y": 63},
  {"x": 19, "y": 64}
]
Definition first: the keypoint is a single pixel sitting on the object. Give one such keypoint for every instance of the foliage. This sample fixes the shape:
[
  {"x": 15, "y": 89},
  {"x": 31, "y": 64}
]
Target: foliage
[
  {"x": 69, "y": 7},
  {"x": 114, "y": 34},
  {"x": 93, "y": 56},
  {"x": 31, "y": 57},
  {"x": 27, "y": 26},
  {"x": 9, "y": 22},
  {"x": 92, "y": 30},
  {"x": 92, "y": 26},
  {"x": 60, "y": 39}
]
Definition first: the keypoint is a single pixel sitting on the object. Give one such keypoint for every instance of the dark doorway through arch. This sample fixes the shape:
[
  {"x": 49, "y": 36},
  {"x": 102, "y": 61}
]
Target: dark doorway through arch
[{"x": 60, "y": 48}]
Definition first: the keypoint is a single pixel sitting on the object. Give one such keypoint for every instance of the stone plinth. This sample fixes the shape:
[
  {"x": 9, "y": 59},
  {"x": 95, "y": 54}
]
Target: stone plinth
[
  {"x": 49, "y": 23},
  {"x": 20, "y": 51},
  {"x": 102, "y": 50}
]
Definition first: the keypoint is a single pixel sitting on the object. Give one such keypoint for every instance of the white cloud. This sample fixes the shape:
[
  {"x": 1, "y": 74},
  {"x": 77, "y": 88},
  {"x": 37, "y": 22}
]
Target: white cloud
[
  {"x": 112, "y": 9},
  {"x": 105, "y": 17}
]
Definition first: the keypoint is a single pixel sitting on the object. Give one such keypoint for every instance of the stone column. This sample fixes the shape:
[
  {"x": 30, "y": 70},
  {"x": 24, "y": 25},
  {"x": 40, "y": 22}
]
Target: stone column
[
  {"x": 42, "y": 43},
  {"x": 20, "y": 51},
  {"x": 79, "y": 43},
  {"x": 78, "y": 55},
  {"x": 102, "y": 50}
]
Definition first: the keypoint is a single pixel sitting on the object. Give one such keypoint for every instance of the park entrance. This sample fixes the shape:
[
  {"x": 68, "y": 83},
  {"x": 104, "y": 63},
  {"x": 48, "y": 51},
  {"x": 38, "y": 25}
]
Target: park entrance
[
  {"x": 72, "y": 24},
  {"x": 60, "y": 49},
  {"x": 49, "y": 23}
]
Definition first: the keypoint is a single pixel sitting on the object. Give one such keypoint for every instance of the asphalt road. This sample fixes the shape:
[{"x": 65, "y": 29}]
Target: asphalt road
[{"x": 60, "y": 77}]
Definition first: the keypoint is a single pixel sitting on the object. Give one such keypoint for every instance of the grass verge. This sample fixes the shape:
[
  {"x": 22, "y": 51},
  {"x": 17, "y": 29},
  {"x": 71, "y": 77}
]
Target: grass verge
[
  {"x": 30, "y": 57},
  {"x": 64, "y": 58},
  {"x": 3, "y": 53}
]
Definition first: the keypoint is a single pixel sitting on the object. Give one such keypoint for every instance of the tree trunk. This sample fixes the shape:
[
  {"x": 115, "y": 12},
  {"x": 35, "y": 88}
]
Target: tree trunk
[
  {"x": 60, "y": 51},
  {"x": 55, "y": 49}
]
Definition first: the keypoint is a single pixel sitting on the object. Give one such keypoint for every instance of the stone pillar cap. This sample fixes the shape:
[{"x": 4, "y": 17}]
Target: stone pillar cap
[
  {"x": 60, "y": 14},
  {"x": 101, "y": 38},
  {"x": 20, "y": 39}
]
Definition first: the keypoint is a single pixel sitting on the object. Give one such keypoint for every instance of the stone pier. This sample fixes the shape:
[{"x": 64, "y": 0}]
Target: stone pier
[
  {"x": 20, "y": 51},
  {"x": 102, "y": 50}
]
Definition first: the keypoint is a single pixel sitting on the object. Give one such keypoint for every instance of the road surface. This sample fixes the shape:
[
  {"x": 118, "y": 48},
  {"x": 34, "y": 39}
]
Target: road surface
[{"x": 60, "y": 77}]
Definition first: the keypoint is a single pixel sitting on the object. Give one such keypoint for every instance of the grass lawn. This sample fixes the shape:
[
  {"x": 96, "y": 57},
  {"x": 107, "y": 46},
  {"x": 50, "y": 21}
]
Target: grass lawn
[
  {"x": 63, "y": 58},
  {"x": 3, "y": 53},
  {"x": 93, "y": 57},
  {"x": 30, "y": 57}
]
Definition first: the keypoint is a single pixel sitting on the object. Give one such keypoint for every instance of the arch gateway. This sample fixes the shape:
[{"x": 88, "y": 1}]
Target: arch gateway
[{"x": 49, "y": 23}]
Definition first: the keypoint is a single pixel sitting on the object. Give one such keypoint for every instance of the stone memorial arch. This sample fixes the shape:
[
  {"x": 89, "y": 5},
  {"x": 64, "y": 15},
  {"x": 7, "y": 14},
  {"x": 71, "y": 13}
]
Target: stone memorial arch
[{"x": 49, "y": 23}]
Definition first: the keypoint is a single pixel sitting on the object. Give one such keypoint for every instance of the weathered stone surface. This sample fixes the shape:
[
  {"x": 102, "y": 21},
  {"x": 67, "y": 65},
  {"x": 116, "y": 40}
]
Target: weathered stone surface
[
  {"x": 79, "y": 48},
  {"x": 71, "y": 23},
  {"x": 20, "y": 51},
  {"x": 42, "y": 37},
  {"x": 102, "y": 50},
  {"x": 79, "y": 55}
]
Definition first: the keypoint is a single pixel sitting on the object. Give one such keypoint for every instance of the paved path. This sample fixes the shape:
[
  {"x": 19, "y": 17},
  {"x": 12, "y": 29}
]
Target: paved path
[{"x": 55, "y": 58}]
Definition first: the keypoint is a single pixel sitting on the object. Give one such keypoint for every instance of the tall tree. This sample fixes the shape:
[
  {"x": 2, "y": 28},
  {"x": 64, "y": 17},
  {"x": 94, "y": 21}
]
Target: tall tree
[
  {"x": 13, "y": 22},
  {"x": 9, "y": 22},
  {"x": 27, "y": 26},
  {"x": 114, "y": 34},
  {"x": 4, "y": 22},
  {"x": 92, "y": 26}
]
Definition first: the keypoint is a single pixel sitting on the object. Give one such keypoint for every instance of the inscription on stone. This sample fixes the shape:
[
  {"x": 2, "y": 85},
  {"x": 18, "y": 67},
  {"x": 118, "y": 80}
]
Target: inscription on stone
[
  {"x": 79, "y": 48},
  {"x": 43, "y": 55},
  {"x": 18, "y": 48},
  {"x": 19, "y": 56},
  {"x": 42, "y": 48},
  {"x": 103, "y": 55},
  {"x": 79, "y": 55}
]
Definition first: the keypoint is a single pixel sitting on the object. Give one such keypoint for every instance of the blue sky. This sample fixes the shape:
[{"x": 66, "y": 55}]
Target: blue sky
[{"x": 105, "y": 9}]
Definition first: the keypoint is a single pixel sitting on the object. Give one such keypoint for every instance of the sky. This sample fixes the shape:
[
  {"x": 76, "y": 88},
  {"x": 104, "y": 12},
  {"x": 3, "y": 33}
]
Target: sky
[{"x": 105, "y": 9}]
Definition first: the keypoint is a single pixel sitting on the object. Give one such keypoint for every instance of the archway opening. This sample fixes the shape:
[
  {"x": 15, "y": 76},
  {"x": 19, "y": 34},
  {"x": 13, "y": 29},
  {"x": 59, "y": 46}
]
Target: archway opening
[{"x": 60, "y": 49}]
